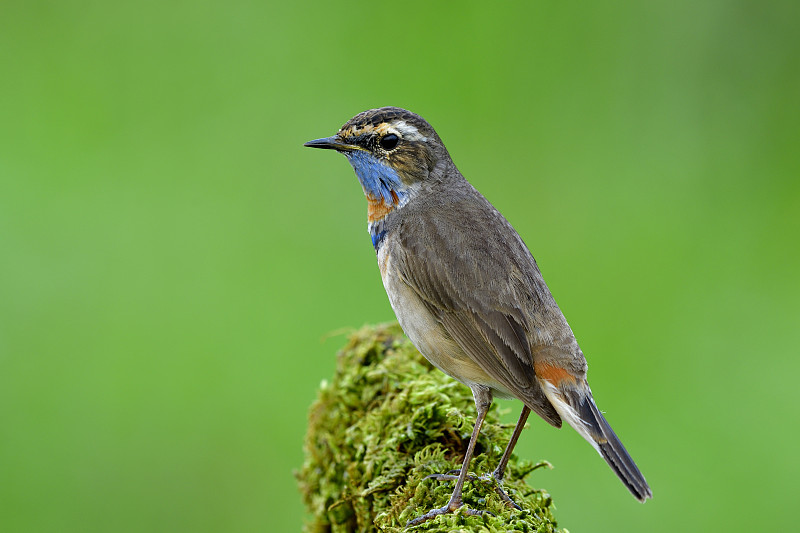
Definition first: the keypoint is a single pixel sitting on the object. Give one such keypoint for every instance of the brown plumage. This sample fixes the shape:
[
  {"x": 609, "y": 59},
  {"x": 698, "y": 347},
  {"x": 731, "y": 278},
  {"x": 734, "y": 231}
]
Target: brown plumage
[{"x": 466, "y": 289}]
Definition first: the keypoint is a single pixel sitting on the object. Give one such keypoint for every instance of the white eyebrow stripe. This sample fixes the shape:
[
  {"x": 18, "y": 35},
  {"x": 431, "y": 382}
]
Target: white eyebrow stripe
[{"x": 407, "y": 131}]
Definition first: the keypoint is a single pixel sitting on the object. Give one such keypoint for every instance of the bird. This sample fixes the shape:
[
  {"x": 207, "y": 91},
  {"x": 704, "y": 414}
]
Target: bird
[{"x": 467, "y": 291}]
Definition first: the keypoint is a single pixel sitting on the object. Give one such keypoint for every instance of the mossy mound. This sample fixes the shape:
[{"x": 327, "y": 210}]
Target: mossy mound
[{"x": 386, "y": 421}]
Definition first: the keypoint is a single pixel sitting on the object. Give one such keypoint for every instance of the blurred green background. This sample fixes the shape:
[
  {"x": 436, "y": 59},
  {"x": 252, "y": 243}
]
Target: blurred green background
[{"x": 173, "y": 261}]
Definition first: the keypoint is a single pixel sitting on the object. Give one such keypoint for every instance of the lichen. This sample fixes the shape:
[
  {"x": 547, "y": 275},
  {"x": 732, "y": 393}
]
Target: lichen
[{"x": 386, "y": 421}]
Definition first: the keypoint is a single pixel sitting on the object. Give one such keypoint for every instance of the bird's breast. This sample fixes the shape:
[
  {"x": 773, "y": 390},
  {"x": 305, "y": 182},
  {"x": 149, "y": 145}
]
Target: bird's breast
[
  {"x": 378, "y": 208},
  {"x": 425, "y": 330}
]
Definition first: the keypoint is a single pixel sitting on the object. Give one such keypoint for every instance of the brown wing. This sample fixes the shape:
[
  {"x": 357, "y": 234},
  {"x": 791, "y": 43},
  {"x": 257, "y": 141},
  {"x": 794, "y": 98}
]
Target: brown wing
[{"x": 476, "y": 275}]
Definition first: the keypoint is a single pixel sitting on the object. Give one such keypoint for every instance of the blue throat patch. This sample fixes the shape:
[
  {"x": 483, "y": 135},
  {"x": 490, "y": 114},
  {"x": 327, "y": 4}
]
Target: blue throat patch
[{"x": 377, "y": 179}]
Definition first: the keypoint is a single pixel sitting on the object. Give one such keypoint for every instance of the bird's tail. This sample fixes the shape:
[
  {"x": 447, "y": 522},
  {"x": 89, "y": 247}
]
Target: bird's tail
[{"x": 574, "y": 402}]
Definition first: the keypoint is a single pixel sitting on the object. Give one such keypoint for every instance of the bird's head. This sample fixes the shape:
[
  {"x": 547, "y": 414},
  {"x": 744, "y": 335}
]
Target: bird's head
[{"x": 391, "y": 150}]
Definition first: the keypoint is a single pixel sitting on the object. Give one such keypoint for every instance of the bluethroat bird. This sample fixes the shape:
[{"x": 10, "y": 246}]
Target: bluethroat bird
[{"x": 467, "y": 291}]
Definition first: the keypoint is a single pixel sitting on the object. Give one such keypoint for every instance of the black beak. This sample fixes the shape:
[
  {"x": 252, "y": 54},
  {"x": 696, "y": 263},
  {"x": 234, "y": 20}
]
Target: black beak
[{"x": 330, "y": 143}]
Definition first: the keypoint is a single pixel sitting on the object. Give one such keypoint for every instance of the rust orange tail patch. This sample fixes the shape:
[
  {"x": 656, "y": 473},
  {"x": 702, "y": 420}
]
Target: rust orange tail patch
[{"x": 553, "y": 374}]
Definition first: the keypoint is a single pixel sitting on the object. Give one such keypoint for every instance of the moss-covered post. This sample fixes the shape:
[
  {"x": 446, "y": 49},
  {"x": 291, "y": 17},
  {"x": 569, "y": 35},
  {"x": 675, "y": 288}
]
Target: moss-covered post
[{"x": 387, "y": 420}]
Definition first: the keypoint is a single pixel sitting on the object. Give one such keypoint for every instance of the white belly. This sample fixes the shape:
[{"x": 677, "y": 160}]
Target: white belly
[{"x": 428, "y": 334}]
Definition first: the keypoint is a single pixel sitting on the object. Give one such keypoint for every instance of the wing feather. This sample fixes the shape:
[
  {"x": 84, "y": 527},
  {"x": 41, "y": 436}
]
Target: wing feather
[{"x": 491, "y": 321}]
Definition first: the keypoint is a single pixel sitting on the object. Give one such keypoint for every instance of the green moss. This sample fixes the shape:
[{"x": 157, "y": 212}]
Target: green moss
[{"x": 386, "y": 421}]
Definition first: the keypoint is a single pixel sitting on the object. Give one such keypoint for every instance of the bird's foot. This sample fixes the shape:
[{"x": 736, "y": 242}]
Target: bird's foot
[
  {"x": 452, "y": 475},
  {"x": 498, "y": 488},
  {"x": 449, "y": 508}
]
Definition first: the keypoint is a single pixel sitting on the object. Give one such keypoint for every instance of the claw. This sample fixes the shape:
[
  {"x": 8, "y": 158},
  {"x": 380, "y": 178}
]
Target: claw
[
  {"x": 441, "y": 477},
  {"x": 506, "y": 498},
  {"x": 445, "y": 510},
  {"x": 451, "y": 475}
]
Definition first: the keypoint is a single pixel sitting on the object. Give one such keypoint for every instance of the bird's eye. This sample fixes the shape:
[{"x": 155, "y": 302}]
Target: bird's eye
[{"x": 389, "y": 142}]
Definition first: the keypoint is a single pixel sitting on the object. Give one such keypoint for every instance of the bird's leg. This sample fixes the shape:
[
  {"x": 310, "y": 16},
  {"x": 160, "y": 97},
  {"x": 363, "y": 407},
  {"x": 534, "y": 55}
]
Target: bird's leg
[
  {"x": 500, "y": 471},
  {"x": 483, "y": 399}
]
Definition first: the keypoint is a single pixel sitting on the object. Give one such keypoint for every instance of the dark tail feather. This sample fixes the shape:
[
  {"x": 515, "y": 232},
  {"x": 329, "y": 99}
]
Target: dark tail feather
[
  {"x": 614, "y": 452},
  {"x": 577, "y": 407}
]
